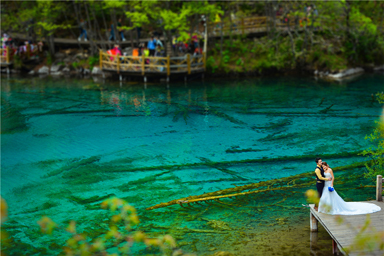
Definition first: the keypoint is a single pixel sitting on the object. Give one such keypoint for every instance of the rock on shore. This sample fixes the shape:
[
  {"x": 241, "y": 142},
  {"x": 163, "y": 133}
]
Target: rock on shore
[{"x": 341, "y": 75}]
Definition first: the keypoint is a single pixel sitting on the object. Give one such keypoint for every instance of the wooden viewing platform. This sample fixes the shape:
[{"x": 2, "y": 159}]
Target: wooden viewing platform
[
  {"x": 5, "y": 57},
  {"x": 343, "y": 233},
  {"x": 152, "y": 66}
]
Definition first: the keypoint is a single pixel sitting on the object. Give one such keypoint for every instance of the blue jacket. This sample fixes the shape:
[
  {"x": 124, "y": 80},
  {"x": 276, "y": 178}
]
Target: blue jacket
[{"x": 152, "y": 44}]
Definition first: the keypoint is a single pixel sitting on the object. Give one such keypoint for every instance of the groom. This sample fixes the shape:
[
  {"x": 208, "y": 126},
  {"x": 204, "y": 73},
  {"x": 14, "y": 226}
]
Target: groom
[{"x": 320, "y": 178}]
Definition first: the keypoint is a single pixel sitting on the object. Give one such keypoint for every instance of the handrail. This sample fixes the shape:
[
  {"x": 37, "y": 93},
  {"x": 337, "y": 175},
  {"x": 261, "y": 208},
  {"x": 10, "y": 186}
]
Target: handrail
[
  {"x": 5, "y": 58},
  {"x": 247, "y": 24},
  {"x": 167, "y": 65}
]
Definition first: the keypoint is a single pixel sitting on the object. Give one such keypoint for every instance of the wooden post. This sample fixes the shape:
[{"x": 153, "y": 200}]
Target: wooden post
[
  {"x": 142, "y": 65},
  {"x": 313, "y": 238},
  {"x": 335, "y": 249},
  {"x": 204, "y": 59},
  {"x": 7, "y": 55},
  {"x": 118, "y": 63},
  {"x": 28, "y": 51},
  {"x": 242, "y": 26},
  {"x": 101, "y": 59},
  {"x": 168, "y": 65},
  {"x": 313, "y": 223},
  {"x": 189, "y": 63},
  {"x": 379, "y": 188}
]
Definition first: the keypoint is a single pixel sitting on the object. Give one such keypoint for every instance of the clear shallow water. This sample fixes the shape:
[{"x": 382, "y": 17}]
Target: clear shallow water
[{"x": 65, "y": 141}]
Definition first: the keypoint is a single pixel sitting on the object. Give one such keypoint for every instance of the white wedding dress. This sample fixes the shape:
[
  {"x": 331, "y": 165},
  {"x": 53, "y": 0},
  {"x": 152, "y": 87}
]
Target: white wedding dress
[{"x": 332, "y": 203}]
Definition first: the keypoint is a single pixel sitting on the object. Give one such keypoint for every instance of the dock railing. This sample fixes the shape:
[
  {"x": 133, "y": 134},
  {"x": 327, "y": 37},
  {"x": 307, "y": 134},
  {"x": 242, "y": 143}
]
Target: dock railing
[
  {"x": 7, "y": 54},
  {"x": 6, "y": 57},
  {"x": 144, "y": 65},
  {"x": 379, "y": 188}
]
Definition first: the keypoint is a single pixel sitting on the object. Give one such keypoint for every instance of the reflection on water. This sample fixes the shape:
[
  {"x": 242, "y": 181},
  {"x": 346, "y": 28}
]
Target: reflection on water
[{"x": 67, "y": 145}]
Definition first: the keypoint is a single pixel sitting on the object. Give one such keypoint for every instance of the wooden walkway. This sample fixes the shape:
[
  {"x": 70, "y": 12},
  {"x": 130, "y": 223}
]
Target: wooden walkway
[
  {"x": 255, "y": 25},
  {"x": 249, "y": 25},
  {"x": 75, "y": 42},
  {"x": 344, "y": 232}
]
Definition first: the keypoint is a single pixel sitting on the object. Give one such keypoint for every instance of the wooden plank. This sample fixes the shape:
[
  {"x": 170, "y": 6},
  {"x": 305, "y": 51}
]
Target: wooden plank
[
  {"x": 343, "y": 234},
  {"x": 189, "y": 63}
]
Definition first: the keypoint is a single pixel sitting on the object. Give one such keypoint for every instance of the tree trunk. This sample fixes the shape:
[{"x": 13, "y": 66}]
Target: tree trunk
[
  {"x": 51, "y": 43},
  {"x": 113, "y": 16},
  {"x": 303, "y": 47},
  {"x": 90, "y": 35},
  {"x": 168, "y": 33},
  {"x": 221, "y": 39},
  {"x": 97, "y": 28},
  {"x": 130, "y": 31},
  {"x": 106, "y": 26},
  {"x": 78, "y": 20}
]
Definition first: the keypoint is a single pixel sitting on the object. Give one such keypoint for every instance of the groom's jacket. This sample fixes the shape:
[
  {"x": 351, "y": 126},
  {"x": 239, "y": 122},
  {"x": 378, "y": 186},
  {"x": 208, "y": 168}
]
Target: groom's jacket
[{"x": 320, "y": 174}]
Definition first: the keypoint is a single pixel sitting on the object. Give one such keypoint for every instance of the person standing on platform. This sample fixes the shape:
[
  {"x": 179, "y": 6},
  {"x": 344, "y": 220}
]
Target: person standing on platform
[
  {"x": 158, "y": 42},
  {"x": 320, "y": 178},
  {"x": 112, "y": 33},
  {"x": 82, "y": 30},
  {"x": 121, "y": 31},
  {"x": 151, "y": 46}
]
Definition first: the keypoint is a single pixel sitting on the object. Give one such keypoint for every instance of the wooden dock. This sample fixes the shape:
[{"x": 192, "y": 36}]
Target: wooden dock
[{"x": 344, "y": 232}]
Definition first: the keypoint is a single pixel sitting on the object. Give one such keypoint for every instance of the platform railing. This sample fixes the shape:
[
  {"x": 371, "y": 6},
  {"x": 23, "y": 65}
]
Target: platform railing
[
  {"x": 379, "y": 188},
  {"x": 142, "y": 64},
  {"x": 5, "y": 55}
]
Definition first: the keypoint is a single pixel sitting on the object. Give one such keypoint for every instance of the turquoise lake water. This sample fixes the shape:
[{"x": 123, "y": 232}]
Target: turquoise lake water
[{"x": 66, "y": 144}]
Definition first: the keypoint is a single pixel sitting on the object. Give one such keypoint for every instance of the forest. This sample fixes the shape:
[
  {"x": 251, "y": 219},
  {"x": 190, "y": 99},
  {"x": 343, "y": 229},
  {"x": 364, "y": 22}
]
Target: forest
[{"x": 298, "y": 35}]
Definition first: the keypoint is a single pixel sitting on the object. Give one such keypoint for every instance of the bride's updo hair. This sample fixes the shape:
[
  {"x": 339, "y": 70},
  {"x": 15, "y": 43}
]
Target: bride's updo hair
[{"x": 325, "y": 163}]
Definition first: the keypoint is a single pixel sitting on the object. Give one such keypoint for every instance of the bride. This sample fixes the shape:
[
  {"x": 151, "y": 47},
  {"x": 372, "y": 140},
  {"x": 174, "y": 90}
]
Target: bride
[{"x": 332, "y": 203}]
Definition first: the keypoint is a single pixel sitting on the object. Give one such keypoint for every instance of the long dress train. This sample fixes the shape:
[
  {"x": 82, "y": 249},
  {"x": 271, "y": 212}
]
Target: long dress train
[{"x": 332, "y": 203}]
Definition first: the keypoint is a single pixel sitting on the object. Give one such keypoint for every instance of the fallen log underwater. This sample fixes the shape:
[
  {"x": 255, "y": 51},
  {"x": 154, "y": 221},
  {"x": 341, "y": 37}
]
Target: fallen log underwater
[{"x": 237, "y": 191}]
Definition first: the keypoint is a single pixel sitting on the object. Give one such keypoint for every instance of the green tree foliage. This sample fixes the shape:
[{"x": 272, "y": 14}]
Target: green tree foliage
[
  {"x": 170, "y": 16},
  {"x": 376, "y": 153},
  {"x": 331, "y": 35}
]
